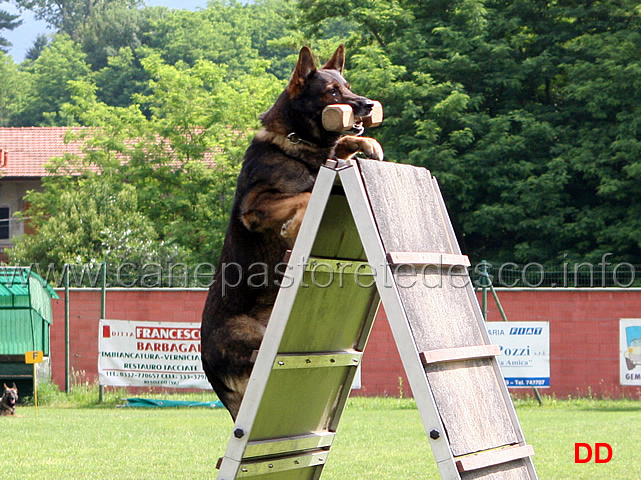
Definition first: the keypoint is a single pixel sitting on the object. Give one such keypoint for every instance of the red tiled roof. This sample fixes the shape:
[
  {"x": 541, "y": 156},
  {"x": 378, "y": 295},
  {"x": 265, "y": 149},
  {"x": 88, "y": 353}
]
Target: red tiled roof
[{"x": 25, "y": 151}]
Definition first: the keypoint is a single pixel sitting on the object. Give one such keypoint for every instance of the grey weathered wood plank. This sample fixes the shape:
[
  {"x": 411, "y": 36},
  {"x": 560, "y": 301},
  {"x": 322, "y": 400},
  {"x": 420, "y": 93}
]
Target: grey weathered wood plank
[
  {"x": 516, "y": 470},
  {"x": 403, "y": 216},
  {"x": 410, "y": 218},
  {"x": 471, "y": 405},
  {"x": 459, "y": 353},
  {"x": 438, "y": 310},
  {"x": 441, "y": 260},
  {"x": 496, "y": 456}
]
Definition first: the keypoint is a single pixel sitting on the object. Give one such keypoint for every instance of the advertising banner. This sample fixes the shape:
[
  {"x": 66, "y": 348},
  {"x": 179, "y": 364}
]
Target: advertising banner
[
  {"x": 150, "y": 354},
  {"x": 630, "y": 351},
  {"x": 525, "y": 352}
]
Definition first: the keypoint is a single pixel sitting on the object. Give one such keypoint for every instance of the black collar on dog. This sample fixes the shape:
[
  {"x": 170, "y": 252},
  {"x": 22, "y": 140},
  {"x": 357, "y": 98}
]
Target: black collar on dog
[{"x": 295, "y": 139}]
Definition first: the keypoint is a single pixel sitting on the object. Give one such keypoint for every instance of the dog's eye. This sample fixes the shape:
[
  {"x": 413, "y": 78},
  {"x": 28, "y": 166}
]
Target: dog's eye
[{"x": 334, "y": 92}]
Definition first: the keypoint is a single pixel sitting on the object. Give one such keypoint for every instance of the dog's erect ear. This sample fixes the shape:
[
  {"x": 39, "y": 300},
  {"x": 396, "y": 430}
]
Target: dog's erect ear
[
  {"x": 5, "y": 387},
  {"x": 337, "y": 62},
  {"x": 14, "y": 386},
  {"x": 304, "y": 68}
]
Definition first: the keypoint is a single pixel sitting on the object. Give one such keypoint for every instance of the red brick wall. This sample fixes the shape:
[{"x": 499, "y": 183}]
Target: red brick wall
[
  {"x": 130, "y": 304},
  {"x": 584, "y": 329},
  {"x": 382, "y": 371},
  {"x": 584, "y": 335}
]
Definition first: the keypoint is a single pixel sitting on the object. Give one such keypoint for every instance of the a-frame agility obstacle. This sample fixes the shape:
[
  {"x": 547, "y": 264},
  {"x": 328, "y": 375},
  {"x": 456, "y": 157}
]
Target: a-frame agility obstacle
[{"x": 375, "y": 232}]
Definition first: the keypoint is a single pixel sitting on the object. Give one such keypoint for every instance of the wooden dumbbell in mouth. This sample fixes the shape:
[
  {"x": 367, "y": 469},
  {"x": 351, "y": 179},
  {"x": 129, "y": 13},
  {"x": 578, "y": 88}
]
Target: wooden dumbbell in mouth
[{"x": 340, "y": 118}]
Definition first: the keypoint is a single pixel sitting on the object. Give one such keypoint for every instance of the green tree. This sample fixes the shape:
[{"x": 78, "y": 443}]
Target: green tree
[
  {"x": 38, "y": 46},
  {"x": 181, "y": 160},
  {"x": 206, "y": 120},
  {"x": 59, "y": 63},
  {"x": 92, "y": 221},
  {"x": 227, "y": 33},
  {"x": 122, "y": 78},
  {"x": 7, "y": 22},
  {"x": 68, "y": 16},
  {"x": 603, "y": 142},
  {"x": 525, "y": 112},
  {"x": 13, "y": 87},
  {"x": 107, "y": 30},
  {"x": 236, "y": 35}
]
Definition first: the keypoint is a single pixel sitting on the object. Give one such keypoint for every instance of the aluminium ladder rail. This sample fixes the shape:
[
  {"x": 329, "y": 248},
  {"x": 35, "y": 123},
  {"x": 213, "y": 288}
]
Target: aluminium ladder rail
[{"x": 376, "y": 232}]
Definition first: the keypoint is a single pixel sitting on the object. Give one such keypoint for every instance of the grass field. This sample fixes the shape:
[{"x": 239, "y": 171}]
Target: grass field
[{"x": 72, "y": 438}]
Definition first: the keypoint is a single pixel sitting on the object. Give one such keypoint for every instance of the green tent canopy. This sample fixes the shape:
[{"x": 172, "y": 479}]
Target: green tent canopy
[{"x": 25, "y": 311}]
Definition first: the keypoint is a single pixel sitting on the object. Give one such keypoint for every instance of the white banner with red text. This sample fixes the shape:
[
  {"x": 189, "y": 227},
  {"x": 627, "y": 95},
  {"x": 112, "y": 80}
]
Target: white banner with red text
[{"x": 150, "y": 354}]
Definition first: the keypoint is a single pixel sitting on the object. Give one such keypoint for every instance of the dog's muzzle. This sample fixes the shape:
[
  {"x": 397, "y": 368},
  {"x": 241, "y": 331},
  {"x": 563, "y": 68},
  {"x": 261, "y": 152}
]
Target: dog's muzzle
[{"x": 362, "y": 109}]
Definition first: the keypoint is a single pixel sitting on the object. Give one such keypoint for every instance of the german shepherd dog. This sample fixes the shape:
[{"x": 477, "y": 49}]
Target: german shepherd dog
[
  {"x": 9, "y": 400},
  {"x": 275, "y": 183}
]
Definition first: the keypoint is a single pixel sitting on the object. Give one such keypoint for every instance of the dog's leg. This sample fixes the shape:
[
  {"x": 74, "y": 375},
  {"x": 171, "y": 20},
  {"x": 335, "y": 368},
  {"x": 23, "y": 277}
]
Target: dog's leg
[
  {"x": 290, "y": 228},
  {"x": 349, "y": 145},
  {"x": 268, "y": 210},
  {"x": 227, "y": 355},
  {"x": 234, "y": 397}
]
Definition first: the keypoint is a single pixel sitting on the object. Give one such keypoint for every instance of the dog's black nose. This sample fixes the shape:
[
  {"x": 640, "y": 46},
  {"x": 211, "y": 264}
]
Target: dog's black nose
[{"x": 365, "y": 106}]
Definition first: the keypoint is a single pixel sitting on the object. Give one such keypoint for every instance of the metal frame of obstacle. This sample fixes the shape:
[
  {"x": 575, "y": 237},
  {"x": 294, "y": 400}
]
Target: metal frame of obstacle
[{"x": 376, "y": 232}]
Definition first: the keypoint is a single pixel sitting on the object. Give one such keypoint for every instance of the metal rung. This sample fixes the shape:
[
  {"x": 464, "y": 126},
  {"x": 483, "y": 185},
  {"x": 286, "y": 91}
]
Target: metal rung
[
  {"x": 428, "y": 258},
  {"x": 493, "y": 457},
  {"x": 459, "y": 353},
  {"x": 347, "y": 358},
  {"x": 280, "y": 446},
  {"x": 282, "y": 464}
]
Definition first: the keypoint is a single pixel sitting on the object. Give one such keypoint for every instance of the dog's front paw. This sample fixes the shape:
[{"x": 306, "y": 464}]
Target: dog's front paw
[
  {"x": 372, "y": 149},
  {"x": 350, "y": 145}
]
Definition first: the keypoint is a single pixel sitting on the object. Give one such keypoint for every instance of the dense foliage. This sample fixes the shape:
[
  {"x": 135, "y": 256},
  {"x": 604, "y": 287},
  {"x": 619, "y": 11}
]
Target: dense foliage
[{"x": 527, "y": 112}]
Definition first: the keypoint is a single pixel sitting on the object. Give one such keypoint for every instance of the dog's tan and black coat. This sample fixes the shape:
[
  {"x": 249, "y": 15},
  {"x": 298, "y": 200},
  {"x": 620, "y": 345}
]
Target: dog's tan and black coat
[
  {"x": 274, "y": 187},
  {"x": 9, "y": 400}
]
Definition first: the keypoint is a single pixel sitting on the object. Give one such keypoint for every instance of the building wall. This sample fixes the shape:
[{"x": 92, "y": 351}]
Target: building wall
[
  {"x": 12, "y": 194},
  {"x": 584, "y": 331}
]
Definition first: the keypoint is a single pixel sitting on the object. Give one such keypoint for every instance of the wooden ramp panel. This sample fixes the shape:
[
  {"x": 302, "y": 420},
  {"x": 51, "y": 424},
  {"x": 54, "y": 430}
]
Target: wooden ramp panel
[
  {"x": 438, "y": 305},
  {"x": 376, "y": 231}
]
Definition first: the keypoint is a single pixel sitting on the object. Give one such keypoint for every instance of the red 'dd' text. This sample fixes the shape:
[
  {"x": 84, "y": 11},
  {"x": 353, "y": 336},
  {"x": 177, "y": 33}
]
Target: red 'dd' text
[{"x": 583, "y": 452}]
